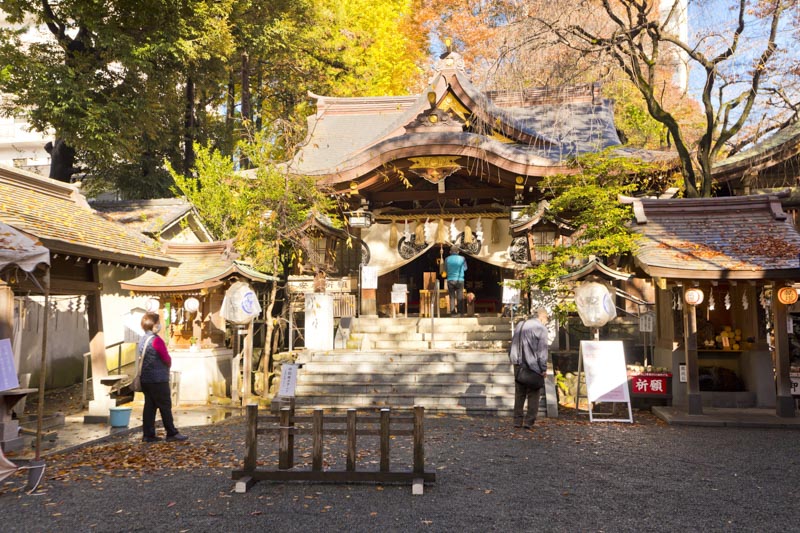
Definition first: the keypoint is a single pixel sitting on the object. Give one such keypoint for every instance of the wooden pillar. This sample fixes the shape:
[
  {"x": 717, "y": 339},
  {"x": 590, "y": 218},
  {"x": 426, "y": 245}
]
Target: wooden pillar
[
  {"x": 351, "y": 440},
  {"x": 247, "y": 372},
  {"x": 251, "y": 439},
  {"x": 785, "y": 402},
  {"x": 316, "y": 430},
  {"x": 385, "y": 436},
  {"x": 419, "y": 440},
  {"x": 6, "y": 311},
  {"x": 692, "y": 368},
  {"x": 97, "y": 342}
]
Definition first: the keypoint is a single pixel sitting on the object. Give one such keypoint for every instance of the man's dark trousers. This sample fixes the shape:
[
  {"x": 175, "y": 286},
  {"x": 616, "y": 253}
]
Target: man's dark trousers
[{"x": 521, "y": 394}]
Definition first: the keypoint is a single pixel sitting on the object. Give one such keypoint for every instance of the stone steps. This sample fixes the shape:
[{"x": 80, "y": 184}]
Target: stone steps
[
  {"x": 468, "y": 333},
  {"x": 447, "y": 381}
]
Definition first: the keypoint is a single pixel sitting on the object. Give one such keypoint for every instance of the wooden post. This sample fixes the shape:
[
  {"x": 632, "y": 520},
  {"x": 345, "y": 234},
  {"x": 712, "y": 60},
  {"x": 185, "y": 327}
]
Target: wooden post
[
  {"x": 316, "y": 463},
  {"x": 785, "y": 401},
  {"x": 97, "y": 343},
  {"x": 692, "y": 370},
  {"x": 419, "y": 439},
  {"x": 6, "y": 311},
  {"x": 286, "y": 441},
  {"x": 351, "y": 440},
  {"x": 251, "y": 439},
  {"x": 247, "y": 372},
  {"x": 384, "y": 440}
]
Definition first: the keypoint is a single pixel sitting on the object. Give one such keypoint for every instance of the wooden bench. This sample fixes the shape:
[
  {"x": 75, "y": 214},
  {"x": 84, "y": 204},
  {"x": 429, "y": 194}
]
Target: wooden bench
[{"x": 285, "y": 425}]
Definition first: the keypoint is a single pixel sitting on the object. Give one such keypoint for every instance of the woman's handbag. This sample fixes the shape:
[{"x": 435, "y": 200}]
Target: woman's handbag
[{"x": 136, "y": 384}]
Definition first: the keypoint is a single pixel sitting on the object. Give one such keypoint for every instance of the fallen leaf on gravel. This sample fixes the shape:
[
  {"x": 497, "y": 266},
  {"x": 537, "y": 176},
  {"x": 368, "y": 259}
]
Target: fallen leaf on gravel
[
  {"x": 373, "y": 513},
  {"x": 256, "y": 513},
  {"x": 487, "y": 491},
  {"x": 170, "y": 504}
]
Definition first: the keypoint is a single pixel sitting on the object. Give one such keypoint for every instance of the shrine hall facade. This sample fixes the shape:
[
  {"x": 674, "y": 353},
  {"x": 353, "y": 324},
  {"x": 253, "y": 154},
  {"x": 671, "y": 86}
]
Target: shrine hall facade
[{"x": 451, "y": 166}]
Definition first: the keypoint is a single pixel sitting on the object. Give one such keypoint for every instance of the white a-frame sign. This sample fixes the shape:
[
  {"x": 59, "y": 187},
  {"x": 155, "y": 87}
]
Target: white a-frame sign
[{"x": 603, "y": 363}]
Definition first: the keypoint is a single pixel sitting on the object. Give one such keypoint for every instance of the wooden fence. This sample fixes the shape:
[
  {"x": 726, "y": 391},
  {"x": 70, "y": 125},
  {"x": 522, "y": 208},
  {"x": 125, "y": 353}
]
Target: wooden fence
[{"x": 388, "y": 425}]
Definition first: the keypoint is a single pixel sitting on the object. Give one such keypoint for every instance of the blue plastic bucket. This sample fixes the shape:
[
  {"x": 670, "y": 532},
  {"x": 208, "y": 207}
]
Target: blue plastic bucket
[{"x": 119, "y": 417}]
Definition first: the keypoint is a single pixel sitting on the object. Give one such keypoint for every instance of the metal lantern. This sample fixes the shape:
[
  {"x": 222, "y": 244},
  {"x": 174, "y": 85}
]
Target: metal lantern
[
  {"x": 693, "y": 296},
  {"x": 787, "y": 295}
]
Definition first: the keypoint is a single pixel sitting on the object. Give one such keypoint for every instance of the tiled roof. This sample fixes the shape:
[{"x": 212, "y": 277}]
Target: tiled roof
[
  {"x": 202, "y": 265},
  {"x": 783, "y": 144},
  {"x": 743, "y": 237},
  {"x": 61, "y": 218},
  {"x": 555, "y": 125},
  {"x": 144, "y": 216}
]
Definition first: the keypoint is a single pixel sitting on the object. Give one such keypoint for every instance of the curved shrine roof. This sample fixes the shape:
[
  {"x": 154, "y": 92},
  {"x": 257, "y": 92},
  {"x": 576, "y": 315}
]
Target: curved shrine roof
[{"x": 527, "y": 132}]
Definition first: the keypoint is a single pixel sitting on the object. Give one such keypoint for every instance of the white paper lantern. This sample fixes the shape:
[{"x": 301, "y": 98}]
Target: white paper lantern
[
  {"x": 191, "y": 305},
  {"x": 152, "y": 305}
]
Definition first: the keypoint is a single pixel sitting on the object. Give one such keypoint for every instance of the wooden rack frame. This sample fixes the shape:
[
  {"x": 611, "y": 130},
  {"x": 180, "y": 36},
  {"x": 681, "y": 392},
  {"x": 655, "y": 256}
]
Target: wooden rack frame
[{"x": 405, "y": 425}]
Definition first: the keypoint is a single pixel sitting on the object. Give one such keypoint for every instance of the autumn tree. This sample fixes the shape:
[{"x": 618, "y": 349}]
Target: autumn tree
[{"x": 738, "y": 60}]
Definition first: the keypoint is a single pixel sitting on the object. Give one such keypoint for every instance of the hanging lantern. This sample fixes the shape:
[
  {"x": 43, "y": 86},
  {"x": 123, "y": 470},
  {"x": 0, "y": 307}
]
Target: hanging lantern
[
  {"x": 787, "y": 295},
  {"x": 693, "y": 296},
  {"x": 152, "y": 305},
  {"x": 191, "y": 305}
]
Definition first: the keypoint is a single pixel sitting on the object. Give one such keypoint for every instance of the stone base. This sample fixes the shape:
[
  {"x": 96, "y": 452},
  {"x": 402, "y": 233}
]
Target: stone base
[{"x": 12, "y": 445}]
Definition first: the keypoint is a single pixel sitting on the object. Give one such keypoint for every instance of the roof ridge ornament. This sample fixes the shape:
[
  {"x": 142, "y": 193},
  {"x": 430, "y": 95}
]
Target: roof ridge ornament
[{"x": 450, "y": 60}]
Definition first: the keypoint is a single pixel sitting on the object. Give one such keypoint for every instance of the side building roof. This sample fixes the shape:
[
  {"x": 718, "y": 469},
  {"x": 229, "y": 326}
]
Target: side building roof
[
  {"x": 743, "y": 237},
  {"x": 60, "y": 217}
]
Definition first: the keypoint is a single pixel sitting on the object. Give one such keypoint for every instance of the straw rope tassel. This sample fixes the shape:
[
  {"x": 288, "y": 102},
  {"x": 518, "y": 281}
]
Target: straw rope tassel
[
  {"x": 495, "y": 231},
  {"x": 441, "y": 232},
  {"x": 393, "y": 235},
  {"x": 467, "y": 233},
  {"x": 419, "y": 233}
]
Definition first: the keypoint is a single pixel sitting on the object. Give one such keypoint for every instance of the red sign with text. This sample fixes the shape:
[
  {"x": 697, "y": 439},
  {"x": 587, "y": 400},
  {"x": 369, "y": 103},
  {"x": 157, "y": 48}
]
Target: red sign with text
[{"x": 649, "y": 383}]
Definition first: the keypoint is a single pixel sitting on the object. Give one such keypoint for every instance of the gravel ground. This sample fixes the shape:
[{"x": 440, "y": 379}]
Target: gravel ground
[{"x": 565, "y": 475}]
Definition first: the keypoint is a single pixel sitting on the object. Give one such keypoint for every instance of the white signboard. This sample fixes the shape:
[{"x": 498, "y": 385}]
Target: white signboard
[
  {"x": 399, "y": 287},
  {"x": 399, "y": 297},
  {"x": 369, "y": 277},
  {"x": 510, "y": 294},
  {"x": 8, "y": 373},
  {"x": 647, "y": 322},
  {"x": 304, "y": 284},
  {"x": 682, "y": 373},
  {"x": 288, "y": 381},
  {"x": 606, "y": 374},
  {"x": 795, "y": 383},
  {"x": 319, "y": 321}
]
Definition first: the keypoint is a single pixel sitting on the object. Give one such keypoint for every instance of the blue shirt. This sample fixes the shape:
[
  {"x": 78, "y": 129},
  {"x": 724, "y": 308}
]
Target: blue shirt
[{"x": 456, "y": 266}]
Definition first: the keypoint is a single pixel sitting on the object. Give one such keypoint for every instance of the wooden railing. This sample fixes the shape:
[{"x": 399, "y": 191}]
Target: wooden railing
[{"x": 286, "y": 425}]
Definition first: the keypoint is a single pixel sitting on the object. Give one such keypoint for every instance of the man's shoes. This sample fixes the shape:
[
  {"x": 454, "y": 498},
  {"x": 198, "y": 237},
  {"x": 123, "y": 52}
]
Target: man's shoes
[
  {"x": 517, "y": 425},
  {"x": 525, "y": 426},
  {"x": 177, "y": 438},
  {"x": 152, "y": 439}
]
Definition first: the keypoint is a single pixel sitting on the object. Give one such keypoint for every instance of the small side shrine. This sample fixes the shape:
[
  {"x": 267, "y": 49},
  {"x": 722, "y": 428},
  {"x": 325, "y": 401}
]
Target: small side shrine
[
  {"x": 189, "y": 300},
  {"x": 723, "y": 270}
]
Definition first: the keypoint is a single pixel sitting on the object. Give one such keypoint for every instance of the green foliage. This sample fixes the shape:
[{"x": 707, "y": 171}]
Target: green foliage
[
  {"x": 261, "y": 209},
  {"x": 589, "y": 201},
  {"x": 216, "y": 191}
]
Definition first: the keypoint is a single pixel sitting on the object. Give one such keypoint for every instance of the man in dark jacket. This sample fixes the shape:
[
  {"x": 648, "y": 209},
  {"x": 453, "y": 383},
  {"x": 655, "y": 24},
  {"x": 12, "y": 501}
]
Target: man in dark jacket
[{"x": 529, "y": 346}]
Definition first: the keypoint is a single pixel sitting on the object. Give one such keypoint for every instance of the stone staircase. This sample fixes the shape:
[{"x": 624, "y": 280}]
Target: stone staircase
[
  {"x": 464, "y": 368},
  {"x": 417, "y": 333},
  {"x": 475, "y": 382}
]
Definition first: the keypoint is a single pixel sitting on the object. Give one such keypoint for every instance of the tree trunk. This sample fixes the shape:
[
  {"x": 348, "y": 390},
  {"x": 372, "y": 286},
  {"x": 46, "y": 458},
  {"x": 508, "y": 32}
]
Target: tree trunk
[
  {"x": 62, "y": 160},
  {"x": 189, "y": 128},
  {"x": 247, "y": 114}
]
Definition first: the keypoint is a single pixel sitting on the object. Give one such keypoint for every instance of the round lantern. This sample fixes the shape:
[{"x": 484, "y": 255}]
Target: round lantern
[
  {"x": 693, "y": 296},
  {"x": 787, "y": 295},
  {"x": 152, "y": 305},
  {"x": 191, "y": 305}
]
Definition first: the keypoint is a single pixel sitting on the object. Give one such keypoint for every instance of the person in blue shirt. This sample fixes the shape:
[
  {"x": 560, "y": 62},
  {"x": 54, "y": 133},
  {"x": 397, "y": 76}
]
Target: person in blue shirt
[{"x": 456, "y": 266}]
